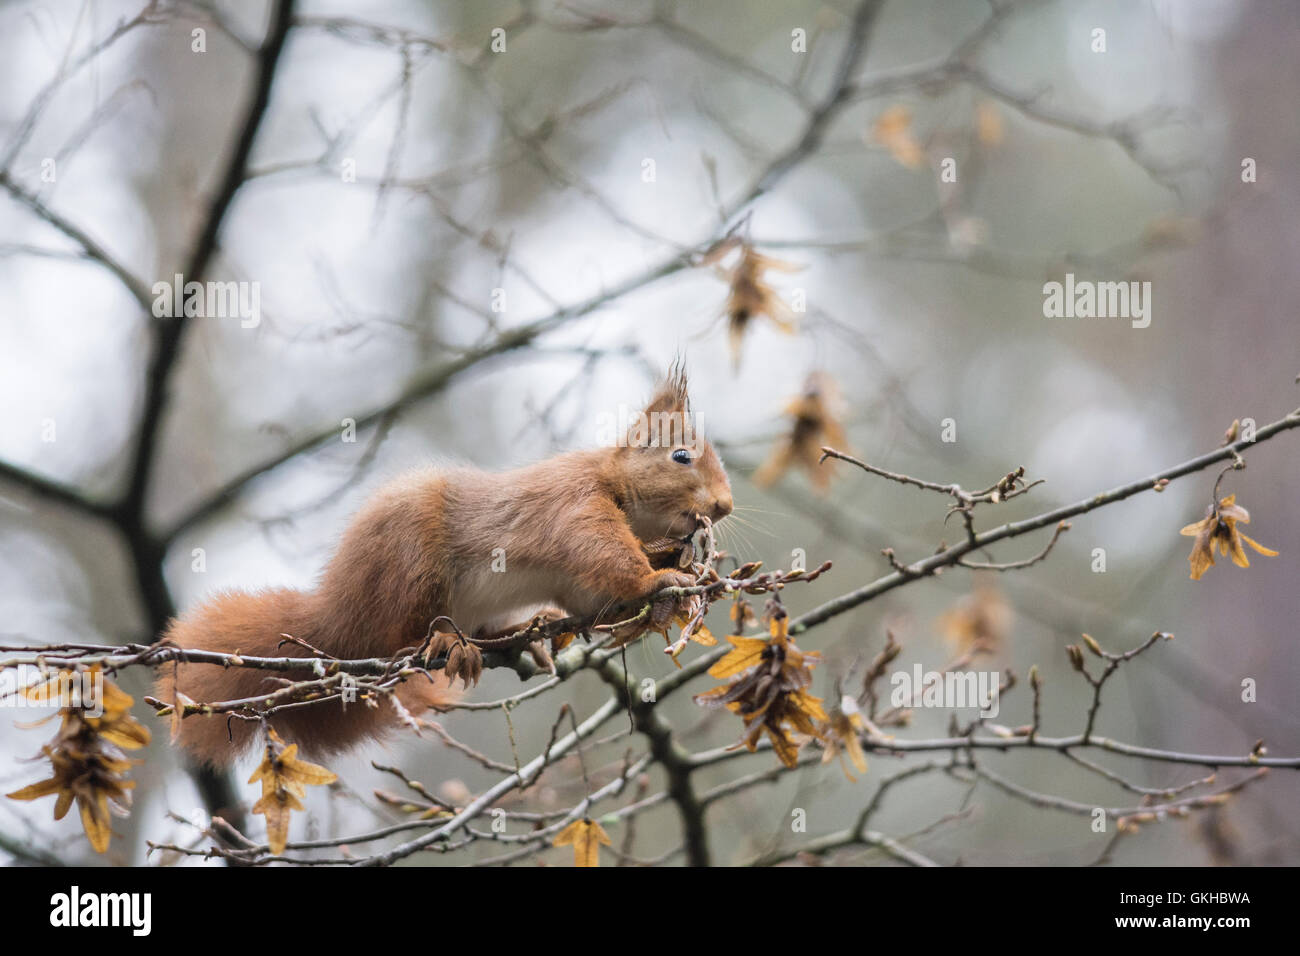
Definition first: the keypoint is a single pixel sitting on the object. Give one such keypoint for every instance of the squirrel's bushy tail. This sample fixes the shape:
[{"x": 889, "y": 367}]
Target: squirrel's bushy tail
[{"x": 254, "y": 624}]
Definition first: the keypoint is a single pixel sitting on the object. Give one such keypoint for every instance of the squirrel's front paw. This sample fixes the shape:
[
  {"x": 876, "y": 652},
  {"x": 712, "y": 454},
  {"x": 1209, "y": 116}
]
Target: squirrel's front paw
[
  {"x": 663, "y": 610},
  {"x": 667, "y": 609}
]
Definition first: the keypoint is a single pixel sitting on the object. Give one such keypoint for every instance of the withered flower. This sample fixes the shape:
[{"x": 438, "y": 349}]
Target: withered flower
[
  {"x": 815, "y": 423},
  {"x": 840, "y": 736},
  {"x": 988, "y": 123},
  {"x": 767, "y": 690},
  {"x": 749, "y": 294},
  {"x": 585, "y": 836},
  {"x": 979, "y": 623},
  {"x": 461, "y": 658},
  {"x": 1219, "y": 526},
  {"x": 86, "y": 754},
  {"x": 741, "y": 614},
  {"x": 893, "y": 130},
  {"x": 284, "y": 780}
]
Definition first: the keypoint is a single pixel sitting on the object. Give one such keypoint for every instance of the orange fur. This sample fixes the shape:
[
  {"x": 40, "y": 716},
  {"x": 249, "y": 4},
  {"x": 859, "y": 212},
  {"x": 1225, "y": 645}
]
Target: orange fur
[{"x": 569, "y": 529}]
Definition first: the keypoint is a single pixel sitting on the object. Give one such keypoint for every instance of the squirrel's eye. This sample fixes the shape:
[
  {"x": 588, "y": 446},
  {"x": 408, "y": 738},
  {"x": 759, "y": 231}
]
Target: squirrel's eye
[{"x": 682, "y": 456}]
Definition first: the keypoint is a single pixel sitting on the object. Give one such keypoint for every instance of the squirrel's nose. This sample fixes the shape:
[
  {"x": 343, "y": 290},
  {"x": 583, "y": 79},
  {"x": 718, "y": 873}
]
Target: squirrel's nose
[{"x": 721, "y": 508}]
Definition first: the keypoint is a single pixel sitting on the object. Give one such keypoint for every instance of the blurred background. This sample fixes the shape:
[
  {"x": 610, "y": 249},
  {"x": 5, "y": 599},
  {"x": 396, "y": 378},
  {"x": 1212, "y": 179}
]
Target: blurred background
[{"x": 472, "y": 244}]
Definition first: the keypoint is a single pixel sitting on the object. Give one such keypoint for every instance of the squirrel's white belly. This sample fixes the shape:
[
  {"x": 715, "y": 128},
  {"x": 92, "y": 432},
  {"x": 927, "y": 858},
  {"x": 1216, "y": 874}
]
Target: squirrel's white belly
[{"x": 500, "y": 595}]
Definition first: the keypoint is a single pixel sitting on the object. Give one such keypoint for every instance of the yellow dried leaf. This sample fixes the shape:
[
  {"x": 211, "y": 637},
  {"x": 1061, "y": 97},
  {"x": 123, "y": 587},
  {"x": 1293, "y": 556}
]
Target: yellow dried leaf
[
  {"x": 785, "y": 749},
  {"x": 585, "y": 836},
  {"x": 747, "y": 652},
  {"x": 809, "y": 706},
  {"x": 94, "y": 820},
  {"x": 36, "y": 790}
]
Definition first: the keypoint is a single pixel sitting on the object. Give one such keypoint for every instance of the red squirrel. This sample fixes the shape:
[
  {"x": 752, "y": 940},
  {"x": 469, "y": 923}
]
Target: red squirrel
[{"x": 570, "y": 530}]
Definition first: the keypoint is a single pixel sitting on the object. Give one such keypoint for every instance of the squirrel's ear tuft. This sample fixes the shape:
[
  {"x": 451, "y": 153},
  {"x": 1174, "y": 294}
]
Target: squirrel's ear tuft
[{"x": 671, "y": 395}]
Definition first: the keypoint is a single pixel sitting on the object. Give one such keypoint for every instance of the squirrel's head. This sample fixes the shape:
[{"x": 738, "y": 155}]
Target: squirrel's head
[{"x": 670, "y": 473}]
